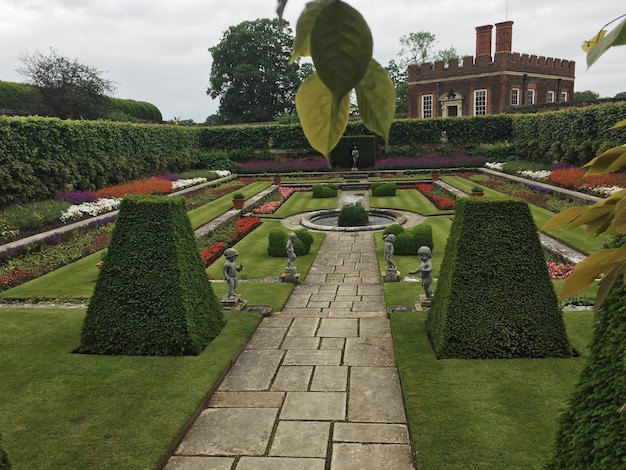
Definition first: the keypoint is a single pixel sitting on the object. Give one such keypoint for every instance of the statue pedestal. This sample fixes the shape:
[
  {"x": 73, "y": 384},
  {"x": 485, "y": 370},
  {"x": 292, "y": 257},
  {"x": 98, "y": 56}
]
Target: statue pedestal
[
  {"x": 391, "y": 275},
  {"x": 236, "y": 303},
  {"x": 423, "y": 303},
  {"x": 291, "y": 274}
]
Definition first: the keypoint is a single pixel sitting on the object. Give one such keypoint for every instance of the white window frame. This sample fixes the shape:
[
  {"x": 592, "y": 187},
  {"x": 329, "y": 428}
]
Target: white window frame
[
  {"x": 550, "y": 96},
  {"x": 515, "y": 94},
  {"x": 480, "y": 102},
  {"x": 530, "y": 96},
  {"x": 427, "y": 106},
  {"x": 563, "y": 96}
]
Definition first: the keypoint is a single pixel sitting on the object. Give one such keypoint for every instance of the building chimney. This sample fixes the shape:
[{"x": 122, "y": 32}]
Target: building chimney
[
  {"x": 483, "y": 40},
  {"x": 504, "y": 36}
]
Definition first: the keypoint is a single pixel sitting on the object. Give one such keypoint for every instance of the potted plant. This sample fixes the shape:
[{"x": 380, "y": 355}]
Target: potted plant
[
  {"x": 277, "y": 179},
  {"x": 434, "y": 176},
  {"x": 476, "y": 191},
  {"x": 239, "y": 200}
]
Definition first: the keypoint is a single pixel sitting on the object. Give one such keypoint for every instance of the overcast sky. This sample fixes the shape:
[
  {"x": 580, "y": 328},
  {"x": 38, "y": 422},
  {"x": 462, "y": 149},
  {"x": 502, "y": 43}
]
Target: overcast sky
[{"x": 157, "y": 50}]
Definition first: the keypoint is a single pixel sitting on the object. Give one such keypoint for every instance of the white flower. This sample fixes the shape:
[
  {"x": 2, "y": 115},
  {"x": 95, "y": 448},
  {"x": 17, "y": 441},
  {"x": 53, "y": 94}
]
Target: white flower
[
  {"x": 101, "y": 206},
  {"x": 222, "y": 173},
  {"x": 534, "y": 175},
  {"x": 606, "y": 191},
  {"x": 180, "y": 184},
  {"x": 494, "y": 166}
]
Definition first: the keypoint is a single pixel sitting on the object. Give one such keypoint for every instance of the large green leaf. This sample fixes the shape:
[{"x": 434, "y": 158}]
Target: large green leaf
[
  {"x": 611, "y": 160},
  {"x": 302, "y": 41},
  {"x": 376, "y": 96},
  {"x": 341, "y": 48},
  {"x": 323, "y": 125},
  {"x": 280, "y": 7},
  {"x": 617, "y": 37}
]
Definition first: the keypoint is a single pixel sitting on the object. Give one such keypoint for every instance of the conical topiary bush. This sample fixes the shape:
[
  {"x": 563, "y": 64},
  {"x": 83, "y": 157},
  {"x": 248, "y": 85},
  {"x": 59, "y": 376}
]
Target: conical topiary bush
[
  {"x": 152, "y": 296},
  {"x": 592, "y": 434},
  {"x": 494, "y": 296}
]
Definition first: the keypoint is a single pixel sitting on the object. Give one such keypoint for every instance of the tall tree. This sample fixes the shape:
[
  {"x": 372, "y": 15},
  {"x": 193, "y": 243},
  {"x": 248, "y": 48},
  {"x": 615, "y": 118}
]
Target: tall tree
[
  {"x": 70, "y": 90},
  {"x": 420, "y": 48},
  {"x": 586, "y": 95},
  {"x": 250, "y": 73},
  {"x": 401, "y": 83}
]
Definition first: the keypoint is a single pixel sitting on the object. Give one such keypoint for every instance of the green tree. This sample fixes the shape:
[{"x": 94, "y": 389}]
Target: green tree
[
  {"x": 401, "y": 83},
  {"x": 586, "y": 95},
  {"x": 69, "y": 89},
  {"x": 621, "y": 95},
  {"x": 250, "y": 73},
  {"x": 418, "y": 48}
]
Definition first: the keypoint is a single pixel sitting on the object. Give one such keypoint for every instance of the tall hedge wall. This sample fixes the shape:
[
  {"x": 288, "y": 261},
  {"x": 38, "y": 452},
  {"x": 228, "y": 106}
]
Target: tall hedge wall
[
  {"x": 494, "y": 297},
  {"x": 592, "y": 434},
  {"x": 152, "y": 297},
  {"x": 137, "y": 109},
  {"x": 41, "y": 156}
]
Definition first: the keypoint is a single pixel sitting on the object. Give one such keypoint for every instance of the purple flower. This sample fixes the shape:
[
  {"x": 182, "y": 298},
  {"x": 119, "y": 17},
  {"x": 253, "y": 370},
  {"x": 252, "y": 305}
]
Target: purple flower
[
  {"x": 408, "y": 163},
  {"x": 562, "y": 166},
  {"x": 168, "y": 177},
  {"x": 539, "y": 188},
  {"x": 77, "y": 197}
]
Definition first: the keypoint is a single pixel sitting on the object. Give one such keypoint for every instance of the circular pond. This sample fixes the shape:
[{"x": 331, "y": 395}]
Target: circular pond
[{"x": 328, "y": 221}]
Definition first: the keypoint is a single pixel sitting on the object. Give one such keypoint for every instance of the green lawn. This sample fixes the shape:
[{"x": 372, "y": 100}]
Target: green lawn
[
  {"x": 61, "y": 410},
  {"x": 483, "y": 414},
  {"x": 304, "y": 201},
  {"x": 408, "y": 199}
]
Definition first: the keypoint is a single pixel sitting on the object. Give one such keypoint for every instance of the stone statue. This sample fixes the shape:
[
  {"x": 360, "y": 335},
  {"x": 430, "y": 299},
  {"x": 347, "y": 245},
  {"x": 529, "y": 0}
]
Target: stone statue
[
  {"x": 231, "y": 270},
  {"x": 425, "y": 269},
  {"x": 291, "y": 253},
  {"x": 390, "y": 239},
  {"x": 355, "y": 155}
]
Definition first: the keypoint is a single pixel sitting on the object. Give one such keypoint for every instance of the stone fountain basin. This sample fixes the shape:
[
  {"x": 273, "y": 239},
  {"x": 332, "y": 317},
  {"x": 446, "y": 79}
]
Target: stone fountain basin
[{"x": 382, "y": 219}]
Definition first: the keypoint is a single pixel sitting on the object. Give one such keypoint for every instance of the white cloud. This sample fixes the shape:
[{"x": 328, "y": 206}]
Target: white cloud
[{"x": 157, "y": 50}]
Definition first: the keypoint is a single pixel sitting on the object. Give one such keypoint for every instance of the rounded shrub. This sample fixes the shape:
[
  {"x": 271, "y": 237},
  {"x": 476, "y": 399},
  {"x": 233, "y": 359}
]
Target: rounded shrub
[
  {"x": 405, "y": 244},
  {"x": 423, "y": 235},
  {"x": 277, "y": 246},
  {"x": 352, "y": 215},
  {"x": 396, "y": 229},
  {"x": 305, "y": 236},
  {"x": 387, "y": 189}
]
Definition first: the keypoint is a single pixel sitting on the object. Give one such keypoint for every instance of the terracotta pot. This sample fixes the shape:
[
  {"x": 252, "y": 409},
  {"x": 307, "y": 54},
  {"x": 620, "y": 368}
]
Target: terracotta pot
[
  {"x": 277, "y": 181},
  {"x": 238, "y": 203},
  {"x": 434, "y": 176},
  {"x": 476, "y": 194}
]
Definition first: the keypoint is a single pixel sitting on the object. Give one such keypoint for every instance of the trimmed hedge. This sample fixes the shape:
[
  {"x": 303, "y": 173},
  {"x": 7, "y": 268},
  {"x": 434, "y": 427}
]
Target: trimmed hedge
[
  {"x": 41, "y": 156},
  {"x": 324, "y": 190},
  {"x": 277, "y": 243},
  {"x": 152, "y": 297},
  {"x": 408, "y": 241},
  {"x": 341, "y": 155},
  {"x": 383, "y": 189},
  {"x": 353, "y": 215},
  {"x": 494, "y": 297},
  {"x": 592, "y": 433}
]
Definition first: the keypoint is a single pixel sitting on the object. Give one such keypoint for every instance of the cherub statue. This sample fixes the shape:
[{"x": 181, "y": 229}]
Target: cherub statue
[
  {"x": 425, "y": 269},
  {"x": 231, "y": 270}
]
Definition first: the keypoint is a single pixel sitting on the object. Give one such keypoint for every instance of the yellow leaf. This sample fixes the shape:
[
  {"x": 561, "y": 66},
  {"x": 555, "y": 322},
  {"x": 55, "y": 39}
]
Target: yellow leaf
[
  {"x": 611, "y": 160},
  {"x": 618, "y": 224},
  {"x": 588, "y": 270},
  {"x": 592, "y": 213},
  {"x": 564, "y": 217},
  {"x": 607, "y": 282},
  {"x": 593, "y": 41},
  {"x": 322, "y": 124},
  {"x": 619, "y": 124},
  {"x": 376, "y": 96}
]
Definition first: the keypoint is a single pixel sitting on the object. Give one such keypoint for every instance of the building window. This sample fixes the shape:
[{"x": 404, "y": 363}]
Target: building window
[
  {"x": 563, "y": 96},
  {"x": 427, "y": 106},
  {"x": 530, "y": 96},
  {"x": 480, "y": 102},
  {"x": 550, "y": 97},
  {"x": 515, "y": 97}
]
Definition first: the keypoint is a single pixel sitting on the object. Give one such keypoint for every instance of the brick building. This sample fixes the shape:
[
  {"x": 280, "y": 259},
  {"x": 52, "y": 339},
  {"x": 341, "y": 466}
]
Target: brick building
[{"x": 485, "y": 84}]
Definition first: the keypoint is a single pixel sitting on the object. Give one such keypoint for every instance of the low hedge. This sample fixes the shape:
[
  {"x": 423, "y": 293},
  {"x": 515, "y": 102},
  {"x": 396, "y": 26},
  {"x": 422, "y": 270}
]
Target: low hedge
[
  {"x": 324, "y": 190},
  {"x": 408, "y": 241},
  {"x": 383, "y": 189},
  {"x": 353, "y": 215},
  {"x": 277, "y": 243}
]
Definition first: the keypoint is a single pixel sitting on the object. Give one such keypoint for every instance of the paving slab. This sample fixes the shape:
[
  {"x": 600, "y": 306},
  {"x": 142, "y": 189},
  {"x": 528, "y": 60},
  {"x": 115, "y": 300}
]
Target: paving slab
[
  {"x": 321, "y": 357},
  {"x": 371, "y": 457},
  {"x": 370, "y": 351},
  {"x": 229, "y": 431},
  {"x": 280, "y": 463},
  {"x": 292, "y": 378},
  {"x": 297, "y": 342},
  {"x": 329, "y": 379},
  {"x": 247, "y": 399},
  {"x": 375, "y": 395},
  {"x": 338, "y": 328},
  {"x": 301, "y": 439},
  {"x": 253, "y": 370},
  {"x": 267, "y": 338},
  {"x": 371, "y": 433},
  {"x": 303, "y": 327},
  {"x": 314, "y": 406},
  {"x": 200, "y": 463}
]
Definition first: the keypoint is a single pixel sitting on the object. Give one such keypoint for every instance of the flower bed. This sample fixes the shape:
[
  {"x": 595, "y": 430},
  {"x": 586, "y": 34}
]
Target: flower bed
[
  {"x": 407, "y": 163},
  {"x": 151, "y": 185},
  {"x": 271, "y": 206},
  {"x": 243, "y": 227},
  {"x": 440, "y": 202},
  {"x": 559, "y": 271},
  {"x": 292, "y": 166}
]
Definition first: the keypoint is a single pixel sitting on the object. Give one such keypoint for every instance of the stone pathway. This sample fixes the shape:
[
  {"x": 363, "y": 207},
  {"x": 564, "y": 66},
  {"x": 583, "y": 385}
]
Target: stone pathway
[{"x": 316, "y": 387}]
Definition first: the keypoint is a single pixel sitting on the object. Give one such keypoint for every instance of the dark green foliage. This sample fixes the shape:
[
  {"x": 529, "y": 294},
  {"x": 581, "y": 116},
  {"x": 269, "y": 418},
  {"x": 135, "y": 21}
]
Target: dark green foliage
[
  {"x": 423, "y": 234},
  {"x": 341, "y": 155},
  {"x": 152, "y": 297},
  {"x": 141, "y": 110},
  {"x": 405, "y": 244},
  {"x": 5, "y": 464},
  {"x": 353, "y": 215},
  {"x": 494, "y": 297},
  {"x": 385, "y": 189},
  {"x": 277, "y": 243},
  {"x": 215, "y": 160},
  {"x": 324, "y": 190},
  {"x": 396, "y": 229},
  {"x": 592, "y": 434}
]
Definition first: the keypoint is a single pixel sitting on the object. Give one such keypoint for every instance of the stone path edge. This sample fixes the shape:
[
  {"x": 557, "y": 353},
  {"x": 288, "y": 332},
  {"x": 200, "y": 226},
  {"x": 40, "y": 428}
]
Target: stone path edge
[{"x": 205, "y": 401}]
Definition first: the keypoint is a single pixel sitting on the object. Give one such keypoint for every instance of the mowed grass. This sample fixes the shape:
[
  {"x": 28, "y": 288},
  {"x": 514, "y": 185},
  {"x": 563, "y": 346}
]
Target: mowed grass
[
  {"x": 483, "y": 414},
  {"x": 303, "y": 201},
  {"x": 61, "y": 410},
  {"x": 410, "y": 200}
]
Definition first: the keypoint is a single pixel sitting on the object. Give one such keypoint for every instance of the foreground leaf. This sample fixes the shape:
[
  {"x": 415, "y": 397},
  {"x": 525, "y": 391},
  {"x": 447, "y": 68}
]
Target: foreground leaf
[
  {"x": 322, "y": 124},
  {"x": 611, "y": 160},
  {"x": 593, "y": 41},
  {"x": 607, "y": 282},
  {"x": 280, "y": 8},
  {"x": 585, "y": 272},
  {"x": 565, "y": 217},
  {"x": 376, "y": 96},
  {"x": 616, "y": 37},
  {"x": 302, "y": 41},
  {"x": 341, "y": 48}
]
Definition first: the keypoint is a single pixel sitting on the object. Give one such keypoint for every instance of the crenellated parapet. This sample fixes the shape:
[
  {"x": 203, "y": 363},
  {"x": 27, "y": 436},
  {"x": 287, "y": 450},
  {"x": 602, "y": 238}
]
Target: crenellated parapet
[{"x": 501, "y": 62}]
